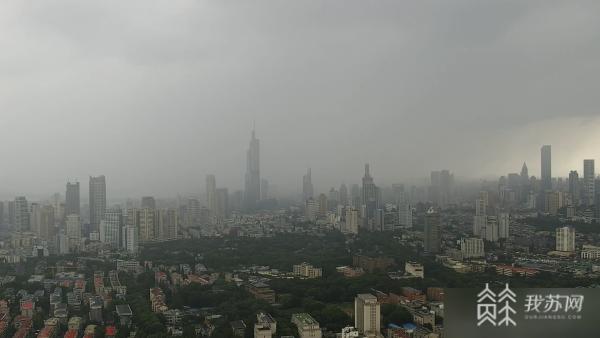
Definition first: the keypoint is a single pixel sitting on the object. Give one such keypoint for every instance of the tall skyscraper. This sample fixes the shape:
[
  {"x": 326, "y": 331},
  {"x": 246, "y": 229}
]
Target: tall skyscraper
[
  {"x": 148, "y": 202},
  {"x": 252, "y": 192},
  {"x": 72, "y": 202},
  {"x": 369, "y": 195},
  {"x": 367, "y": 315},
  {"x": 589, "y": 188},
  {"x": 211, "y": 194},
  {"x": 97, "y": 201},
  {"x": 546, "y": 153},
  {"x": 307, "y": 186},
  {"x": 574, "y": 187},
  {"x": 21, "y": 214},
  {"x": 433, "y": 232}
]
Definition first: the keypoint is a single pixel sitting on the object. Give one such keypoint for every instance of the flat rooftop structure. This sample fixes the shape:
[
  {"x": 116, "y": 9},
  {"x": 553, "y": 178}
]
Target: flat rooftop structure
[
  {"x": 264, "y": 317},
  {"x": 124, "y": 310},
  {"x": 304, "y": 319}
]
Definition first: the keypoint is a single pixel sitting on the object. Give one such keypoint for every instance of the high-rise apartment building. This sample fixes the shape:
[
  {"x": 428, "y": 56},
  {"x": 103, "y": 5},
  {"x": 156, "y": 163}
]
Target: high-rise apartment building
[
  {"x": 168, "y": 225},
  {"x": 492, "y": 229},
  {"x": 565, "y": 239},
  {"x": 471, "y": 248},
  {"x": 73, "y": 225},
  {"x": 311, "y": 209},
  {"x": 503, "y": 225},
  {"x": 367, "y": 315},
  {"x": 145, "y": 220},
  {"x": 110, "y": 227},
  {"x": 97, "y": 201},
  {"x": 72, "y": 201}
]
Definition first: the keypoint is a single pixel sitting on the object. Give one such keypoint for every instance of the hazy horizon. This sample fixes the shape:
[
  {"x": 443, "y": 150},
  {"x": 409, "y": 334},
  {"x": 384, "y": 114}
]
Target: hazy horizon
[{"x": 157, "y": 95}]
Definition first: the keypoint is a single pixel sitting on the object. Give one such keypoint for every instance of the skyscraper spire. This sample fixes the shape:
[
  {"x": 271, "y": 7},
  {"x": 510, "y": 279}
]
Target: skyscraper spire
[{"x": 252, "y": 191}]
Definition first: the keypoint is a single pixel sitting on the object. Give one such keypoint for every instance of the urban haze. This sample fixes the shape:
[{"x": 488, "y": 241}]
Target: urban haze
[{"x": 297, "y": 169}]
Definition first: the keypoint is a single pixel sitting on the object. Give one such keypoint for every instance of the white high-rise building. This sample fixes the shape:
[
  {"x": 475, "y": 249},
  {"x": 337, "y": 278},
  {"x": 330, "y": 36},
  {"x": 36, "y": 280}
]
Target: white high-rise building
[
  {"x": 503, "y": 225},
  {"x": 491, "y": 229},
  {"x": 130, "y": 239},
  {"x": 565, "y": 239},
  {"x": 367, "y": 315},
  {"x": 472, "y": 248},
  {"x": 312, "y": 209},
  {"x": 110, "y": 228}
]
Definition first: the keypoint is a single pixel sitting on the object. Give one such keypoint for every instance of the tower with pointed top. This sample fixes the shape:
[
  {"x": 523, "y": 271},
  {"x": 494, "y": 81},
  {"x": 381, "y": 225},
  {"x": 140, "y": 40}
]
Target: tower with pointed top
[
  {"x": 524, "y": 171},
  {"x": 252, "y": 184},
  {"x": 370, "y": 196}
]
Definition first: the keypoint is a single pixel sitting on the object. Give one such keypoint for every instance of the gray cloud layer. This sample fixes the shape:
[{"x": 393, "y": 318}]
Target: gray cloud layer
[{"x": 157, "y": 94}]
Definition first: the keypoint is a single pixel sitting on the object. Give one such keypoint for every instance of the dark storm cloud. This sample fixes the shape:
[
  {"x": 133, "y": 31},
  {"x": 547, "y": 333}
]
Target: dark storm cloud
[{"x": 157, "y": 94}]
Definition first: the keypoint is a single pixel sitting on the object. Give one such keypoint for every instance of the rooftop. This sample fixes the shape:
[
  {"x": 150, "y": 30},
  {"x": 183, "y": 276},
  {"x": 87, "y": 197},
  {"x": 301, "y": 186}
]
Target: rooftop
[{"x": 305, "y": 319}]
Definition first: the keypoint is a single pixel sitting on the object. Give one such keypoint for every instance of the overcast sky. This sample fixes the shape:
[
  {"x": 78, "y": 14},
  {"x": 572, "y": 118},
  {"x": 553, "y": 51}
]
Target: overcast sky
[{"x": 157, "y": 94}]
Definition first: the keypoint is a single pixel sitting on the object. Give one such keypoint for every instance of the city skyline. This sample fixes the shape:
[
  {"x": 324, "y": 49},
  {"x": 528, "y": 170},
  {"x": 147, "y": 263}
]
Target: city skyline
[
  {"x": 471, "y": 87},
  {"x": 207, "y": 186}
]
